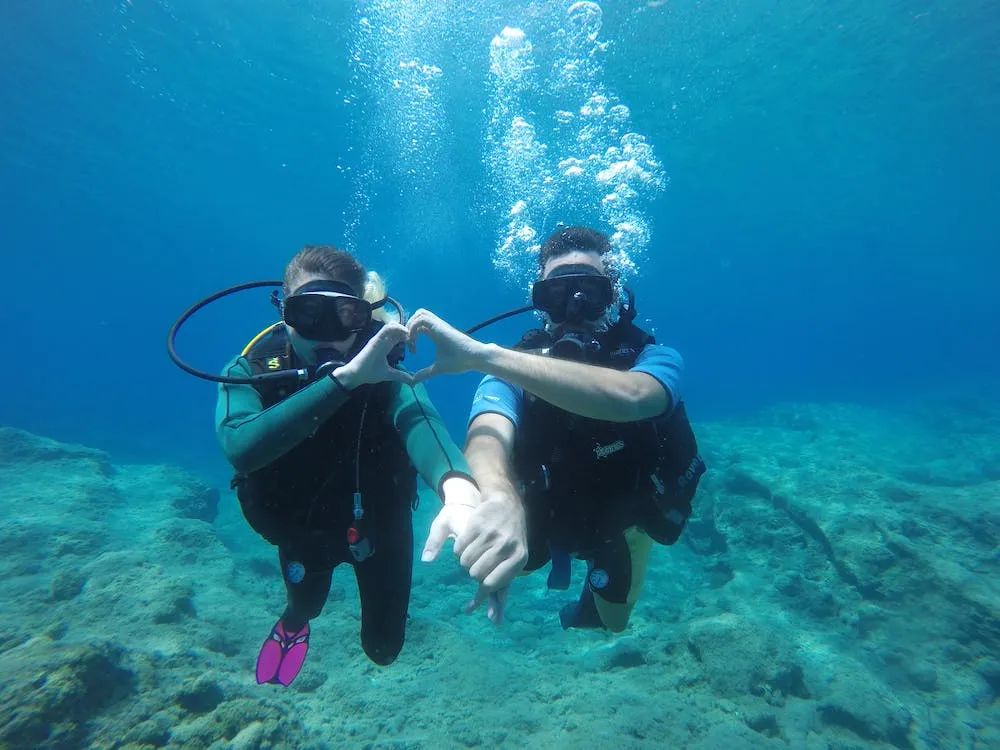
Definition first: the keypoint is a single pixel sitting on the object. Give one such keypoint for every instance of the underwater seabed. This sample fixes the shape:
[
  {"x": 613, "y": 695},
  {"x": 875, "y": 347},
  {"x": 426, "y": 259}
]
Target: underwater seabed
[{"x": 838, "y": 589}]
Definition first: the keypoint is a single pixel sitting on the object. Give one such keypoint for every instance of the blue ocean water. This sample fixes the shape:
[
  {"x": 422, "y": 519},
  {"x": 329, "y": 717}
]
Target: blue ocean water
[
  {"x": 827, "y": 231},
  {"x": 817, "y": 224}
]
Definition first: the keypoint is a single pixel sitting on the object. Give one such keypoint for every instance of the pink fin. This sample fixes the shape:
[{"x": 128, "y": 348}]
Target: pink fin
[
  {"x": 282, "y": 655},
  {"x": 295, "y": 655}
]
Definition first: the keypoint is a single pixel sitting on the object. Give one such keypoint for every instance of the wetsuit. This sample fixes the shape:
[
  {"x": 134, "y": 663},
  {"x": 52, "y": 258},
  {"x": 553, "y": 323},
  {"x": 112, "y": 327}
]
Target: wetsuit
[
  {"x": 589, "y": 486},
  {"x": 302, "y": 454}
]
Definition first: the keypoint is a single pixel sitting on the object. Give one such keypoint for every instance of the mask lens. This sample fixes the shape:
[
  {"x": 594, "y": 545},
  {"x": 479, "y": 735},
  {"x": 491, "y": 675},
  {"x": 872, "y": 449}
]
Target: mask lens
[
  {"x": 327, "y": 316},
  {"x": 580, "y": 297}
]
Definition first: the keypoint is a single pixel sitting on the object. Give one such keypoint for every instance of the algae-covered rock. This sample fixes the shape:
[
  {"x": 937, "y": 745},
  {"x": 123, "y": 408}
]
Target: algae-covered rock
[
  {"x": 24, "y": 450},
  {"x": 742, "y": 657},
  {"x": 860, "y": 705},
  {"x": 186, "y": 494},
  {"x": 52, "y": 692},
  {"x": 201, "y": 696},
  {"x": 66, "y": 584}
]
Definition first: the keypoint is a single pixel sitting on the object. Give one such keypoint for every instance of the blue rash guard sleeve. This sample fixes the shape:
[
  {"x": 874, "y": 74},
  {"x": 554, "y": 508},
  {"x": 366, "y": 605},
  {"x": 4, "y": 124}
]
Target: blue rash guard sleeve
[
  {"x": 666, "y": 365},
  {"x": 498, "y": 397}
]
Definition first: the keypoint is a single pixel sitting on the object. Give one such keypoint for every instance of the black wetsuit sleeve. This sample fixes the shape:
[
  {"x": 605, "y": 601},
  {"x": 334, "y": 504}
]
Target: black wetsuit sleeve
[
  {"x": 252, "y": 436},
  {"x": 433, "y": 453}
]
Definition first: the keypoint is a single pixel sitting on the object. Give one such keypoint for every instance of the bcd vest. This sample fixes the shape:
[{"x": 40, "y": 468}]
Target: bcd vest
[
  {"x": 592, "y": 479},
  {"x": 309, "y": 490}
]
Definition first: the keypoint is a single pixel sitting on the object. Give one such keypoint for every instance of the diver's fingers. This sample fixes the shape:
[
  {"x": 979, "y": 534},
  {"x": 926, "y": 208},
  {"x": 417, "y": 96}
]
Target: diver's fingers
[
  {"x": 390, "y": 335},
  {"x": 440, "y": 531},
  {"x": 482, "y": 566},
  {"x": 423, "y": 321},
  {"x": 399, "y": 376},
  {"x": 470, "y": 536},
  {"x": 425, "y": 374},
  {"x": 482, "y": 594},
  {"x": 504, "y": 573},
  {"x": 498, "y": 603},
  {"x": 472, "y": 552},
  {"x": 423, "y": 316}
]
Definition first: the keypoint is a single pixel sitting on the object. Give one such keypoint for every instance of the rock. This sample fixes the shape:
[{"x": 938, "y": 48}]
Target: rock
[
  {"x": 200, "y": 697},
  {"x": 188, "y": 496},
  {"x": 173, "y": 603},
  {"x": 84, "y": 540},
  {"x": 263, "y": 568},
  {"x": 624, "y": 655},
  {"x": 923, "y": 678},
  {"x": 220, "y": 643},
  {"x": 738, "y": 482},
  {"x": 309, "y": 682},
  {"x": 765, "y": 723},
  {"x": 201, "y": 504},
  {"x": 863, "y": 707},
  {"x": 248, "y": 738},
  {"x": 22, "y": 449},
  {"x": 740, "y": 656},
  {"x": 231, "y": 717},
  {"x": 66, "y": 584},
  {"x": 155, "y": 732},
  {"x": 989, "y": 670},
  {"x": 53, "y": 693},
  {"x": 727, "y": 736}
]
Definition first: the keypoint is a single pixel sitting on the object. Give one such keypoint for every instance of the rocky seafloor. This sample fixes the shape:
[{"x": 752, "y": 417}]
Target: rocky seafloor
[{"x": 837, "y": 589}]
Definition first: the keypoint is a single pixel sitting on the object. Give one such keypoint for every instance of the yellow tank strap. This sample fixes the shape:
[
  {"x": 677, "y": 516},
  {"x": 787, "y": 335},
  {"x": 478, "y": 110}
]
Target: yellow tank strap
[{"x": 258, "y": 337}]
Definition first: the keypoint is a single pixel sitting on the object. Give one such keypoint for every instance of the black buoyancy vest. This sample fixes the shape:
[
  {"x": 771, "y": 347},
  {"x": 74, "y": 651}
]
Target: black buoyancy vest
[
  {"x": 593, "y": 478},
  {"x": 312, "y": 485}
]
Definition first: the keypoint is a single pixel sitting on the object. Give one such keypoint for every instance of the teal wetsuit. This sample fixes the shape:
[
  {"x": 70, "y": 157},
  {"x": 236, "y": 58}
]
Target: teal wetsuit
[{"x": 301, "y": 456}]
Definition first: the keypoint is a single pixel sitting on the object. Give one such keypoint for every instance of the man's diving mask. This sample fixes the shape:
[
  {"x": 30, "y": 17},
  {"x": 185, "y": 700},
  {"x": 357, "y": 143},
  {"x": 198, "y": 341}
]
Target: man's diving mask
[
  {"x": 327, "y": 311},
  {"x": 574, "y": 293}
]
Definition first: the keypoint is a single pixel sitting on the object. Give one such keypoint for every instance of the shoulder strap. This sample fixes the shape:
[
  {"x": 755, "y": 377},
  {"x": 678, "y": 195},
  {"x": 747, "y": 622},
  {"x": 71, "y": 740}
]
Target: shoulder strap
[
  {"x": 638, "y": 337},
  {"x": 536, "y": 338},
  {"x": 271, "y": 353},
  {"x": 624, "y": 343}
]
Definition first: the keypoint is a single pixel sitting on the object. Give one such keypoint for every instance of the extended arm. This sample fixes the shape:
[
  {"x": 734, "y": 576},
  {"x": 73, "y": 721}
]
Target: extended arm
[
  {"x": 252, "y": 436},
  {"x": 647, "y": 390},
  {"x": 587, "y": 390},
  {"x": 487, "y": 544},
  {"x": 489, "y": 446},
  {"x": 434, "y": 454}
]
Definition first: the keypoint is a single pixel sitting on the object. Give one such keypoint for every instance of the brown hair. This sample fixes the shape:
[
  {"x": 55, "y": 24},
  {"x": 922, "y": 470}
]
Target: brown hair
[
  {"x": 570, "y": 239},
  {"x": 327, "y": 262}
]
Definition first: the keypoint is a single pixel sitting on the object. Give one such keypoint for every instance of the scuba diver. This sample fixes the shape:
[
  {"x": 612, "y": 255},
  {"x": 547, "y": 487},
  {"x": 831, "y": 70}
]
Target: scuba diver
[
  {"x": 327, "y": 434},
  {"x": 578, "y": 436}
]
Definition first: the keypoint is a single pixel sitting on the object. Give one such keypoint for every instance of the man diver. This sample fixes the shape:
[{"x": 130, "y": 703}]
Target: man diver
[{"x": 577, "y": 437}]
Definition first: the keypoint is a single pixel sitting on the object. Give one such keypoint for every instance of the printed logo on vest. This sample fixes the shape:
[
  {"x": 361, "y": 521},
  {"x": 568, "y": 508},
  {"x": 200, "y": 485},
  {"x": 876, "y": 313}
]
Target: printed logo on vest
[{"x": 603, "y": 451}]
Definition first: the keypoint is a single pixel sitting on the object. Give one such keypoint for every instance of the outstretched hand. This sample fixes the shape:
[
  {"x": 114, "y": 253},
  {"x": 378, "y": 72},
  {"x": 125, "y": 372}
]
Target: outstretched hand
[
  {"x": 456, "y": 352},
  {"x": 452, "y": 522},
  {"x": 490, "y": 542},
  {"x": 371, "y": 364},
  {"x": 486, "y": 536}
]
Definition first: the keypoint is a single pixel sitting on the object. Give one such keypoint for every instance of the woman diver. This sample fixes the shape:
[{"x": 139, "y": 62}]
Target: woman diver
[{"x": 327, "y": 470}]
